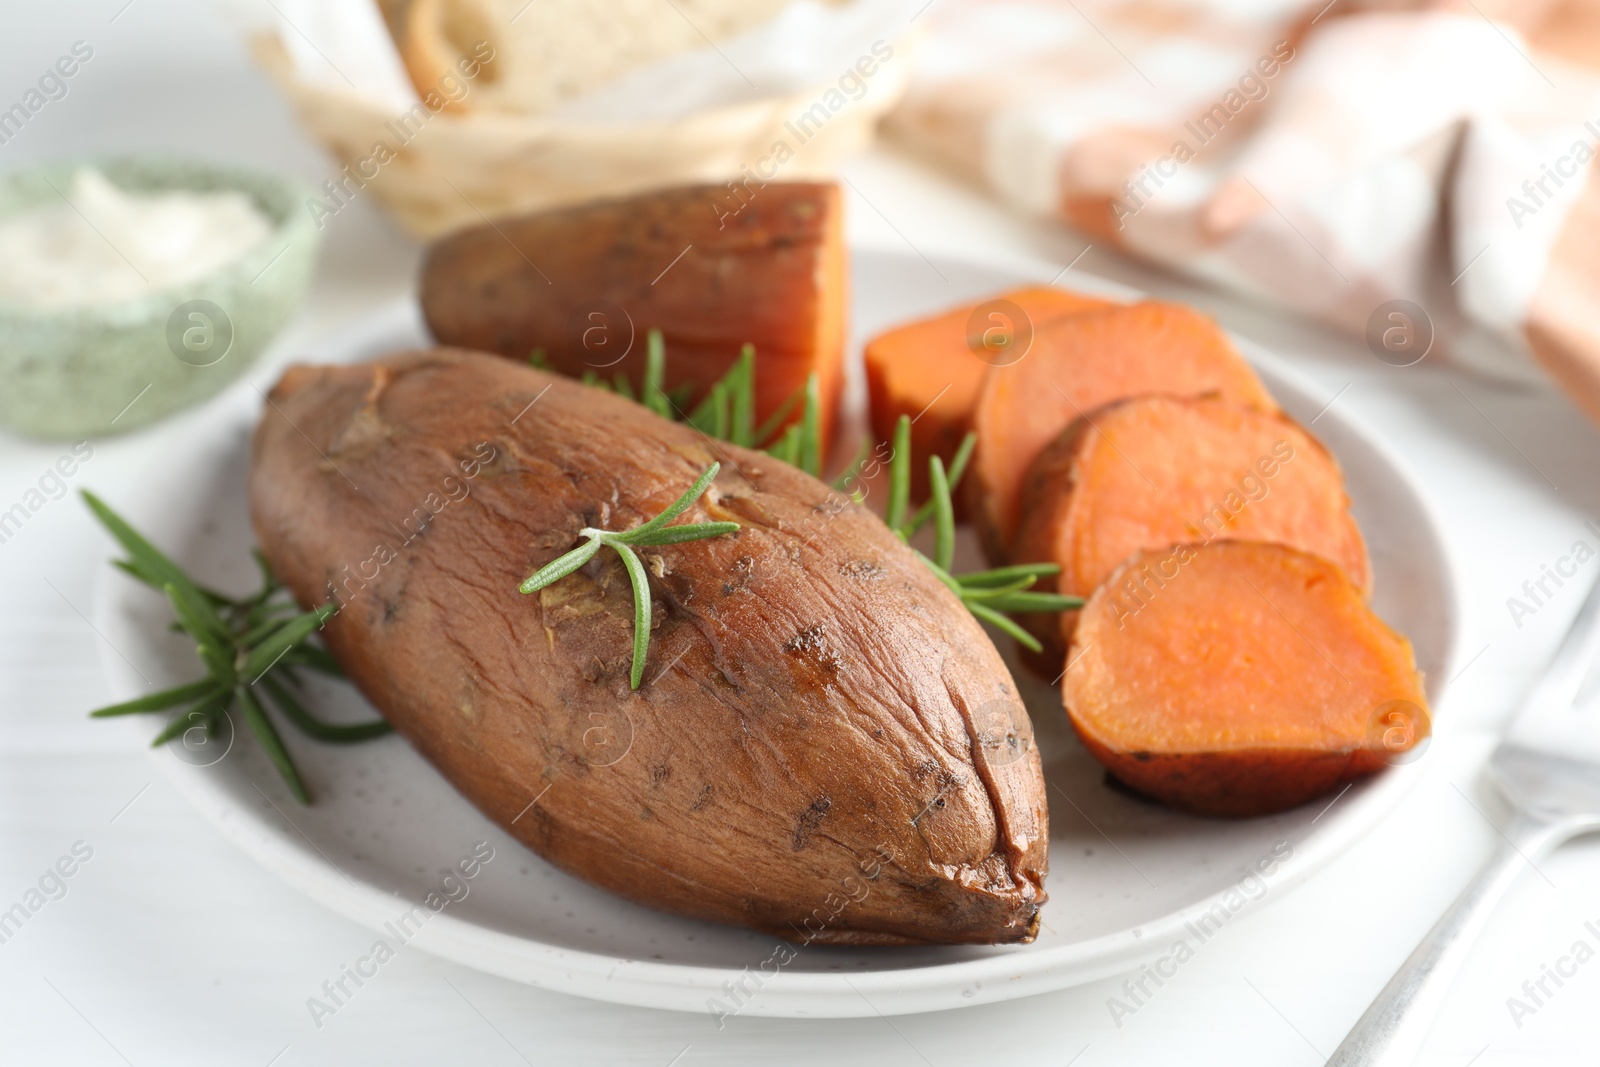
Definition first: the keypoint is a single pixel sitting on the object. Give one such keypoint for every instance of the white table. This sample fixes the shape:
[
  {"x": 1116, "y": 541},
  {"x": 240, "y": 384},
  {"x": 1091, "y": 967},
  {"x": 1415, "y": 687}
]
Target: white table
[{"x": 169, "y": 947}]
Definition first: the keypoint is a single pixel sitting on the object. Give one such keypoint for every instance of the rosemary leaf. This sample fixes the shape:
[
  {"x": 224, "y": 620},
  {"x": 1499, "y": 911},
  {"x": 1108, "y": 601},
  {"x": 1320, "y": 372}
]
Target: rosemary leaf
[
  {"x": 899, "y": 477},
  {"x": 313, "y": 657},
  {"x": 1034, "y": 602},
  {"x": 944, "y": 518},
  {"x": 311, "y": 726},
  {"x": 765, "y": 432},
  {"x": 853, "y": 471},
  {"x": 263, "y": 629},
  {"x": 560, "y": 567},
  {"x": 267, "y": 737},
  {"x": 990, "y": 592},
  {"x": 214, "y": 650},
  {"x": 132, "y": 569},
  {"x": 941, "y": 574},
  {"x": 152, "y": 565},
  {"x": 788, "y": 447},
  {"x": 958, "y": 467},
  {"x": 641, "y": 611},
  {"x": 676, "y": 508},
  {"x": 719, "y": 412},
  {"x": 167, "y": 698},
  {"x": 710, "y": 416},
  {"x": 742, "y": 389},
  {"x": 811, "y": 430},
  {"x": 1004, "y": 575},
  {"x": 264, "y": 655},
  {"x": 675, "y": 535},
  {"x": 1023, "y": 637},
  {"x": 199, "y": 715},
  {"x": 655, "y": 360}
]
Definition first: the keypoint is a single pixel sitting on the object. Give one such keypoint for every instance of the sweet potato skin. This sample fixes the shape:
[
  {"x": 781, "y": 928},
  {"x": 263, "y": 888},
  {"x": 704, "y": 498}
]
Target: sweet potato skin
[
  {"x": 586, "y": 283},
  {"x": 812, "y": 727},
  {"x": 930, "y": 371},
  {"x": 1239, "y": 678},
  {"x": 1078, "y": 364},
  {"x": 1154, "y": 471}
]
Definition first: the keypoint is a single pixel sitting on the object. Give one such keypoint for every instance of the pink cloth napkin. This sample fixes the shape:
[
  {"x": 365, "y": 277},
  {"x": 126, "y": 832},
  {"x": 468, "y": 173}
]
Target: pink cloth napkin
[{"x": 1415, "y": 173}]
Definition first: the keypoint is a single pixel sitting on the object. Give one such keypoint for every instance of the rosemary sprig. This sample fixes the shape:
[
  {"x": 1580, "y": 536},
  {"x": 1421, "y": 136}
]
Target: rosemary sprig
[
  {"x": 249, "y": 646},
  {"x": 623, "y": 542},
  {"x": 727, "y": 414},
  {"x": 990, "y": 595}
]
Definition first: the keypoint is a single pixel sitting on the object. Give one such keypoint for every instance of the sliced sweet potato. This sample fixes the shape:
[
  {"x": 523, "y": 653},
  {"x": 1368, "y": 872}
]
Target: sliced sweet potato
[
  {"x": 1076, "y": 365},
  {"x": 584, "y": 284},
  {"x": 932, "y": 370},
  {"x": 1239, "y": 678},
  {"x": 1156, "y": 471}
]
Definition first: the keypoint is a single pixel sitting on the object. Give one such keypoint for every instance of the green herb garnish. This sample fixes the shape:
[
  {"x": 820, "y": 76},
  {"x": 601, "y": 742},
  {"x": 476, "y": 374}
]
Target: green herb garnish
[
  {"x": 727, "y": 413},
  {"x": 654, "y": 532},
  {"x": 250, "y": 646},
  {"x": 987, "y": 594}
]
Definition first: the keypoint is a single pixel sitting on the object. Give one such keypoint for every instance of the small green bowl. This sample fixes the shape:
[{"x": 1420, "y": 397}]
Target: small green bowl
[{"x": 106, "y": 368}]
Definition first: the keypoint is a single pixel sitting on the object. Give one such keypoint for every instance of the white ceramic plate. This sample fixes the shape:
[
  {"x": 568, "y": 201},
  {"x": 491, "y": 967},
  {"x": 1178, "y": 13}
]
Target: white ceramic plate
[{"x": 1127, "y": 879}]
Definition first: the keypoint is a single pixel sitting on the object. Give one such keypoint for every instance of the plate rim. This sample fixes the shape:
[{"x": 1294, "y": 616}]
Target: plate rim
[{"x": 787, "y": 994}]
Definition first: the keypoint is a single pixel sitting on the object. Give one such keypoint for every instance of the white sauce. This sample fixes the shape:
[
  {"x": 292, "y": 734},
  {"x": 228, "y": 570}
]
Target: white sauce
[{"x": 107, "y": 245}]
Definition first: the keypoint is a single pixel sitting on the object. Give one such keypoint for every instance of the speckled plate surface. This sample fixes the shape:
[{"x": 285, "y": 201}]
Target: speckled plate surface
[{"x": 1127, "y": 879}]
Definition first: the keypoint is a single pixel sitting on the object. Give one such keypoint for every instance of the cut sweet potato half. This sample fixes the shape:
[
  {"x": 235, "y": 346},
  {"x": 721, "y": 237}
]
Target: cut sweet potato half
[
  {"x": 931, "y": 370},
  {"x": 584, "y": 284},
  {"x": 1239, "y": 678},
  {"x": 1080, "y": 363},
  {"x": 1157, "y": 471}
]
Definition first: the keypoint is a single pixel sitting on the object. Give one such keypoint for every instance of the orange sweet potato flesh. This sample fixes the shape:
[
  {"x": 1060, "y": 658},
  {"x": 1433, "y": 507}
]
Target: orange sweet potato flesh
[
  {"x": 1076, "y": 365},
  {"x": 1156, "y": 471},
  {"x": 1239, "y": 678},
  {"x": 586, "y": 283},
  {"x": 931, "y": 371}
]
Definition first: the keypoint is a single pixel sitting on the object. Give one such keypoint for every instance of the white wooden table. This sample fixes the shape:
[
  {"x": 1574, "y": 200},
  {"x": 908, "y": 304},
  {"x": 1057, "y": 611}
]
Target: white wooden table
[{"x": 168, "y": 947}]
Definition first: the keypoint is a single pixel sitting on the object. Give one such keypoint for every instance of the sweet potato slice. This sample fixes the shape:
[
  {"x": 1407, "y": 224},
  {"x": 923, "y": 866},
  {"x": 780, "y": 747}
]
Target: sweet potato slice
[
  {"x": 1156, "y": 471},
  {"x": 1239, "y": 678},
  {"x": 1076, "y": 365},
  {"x": 584, "y": 284},
  {"x": 932, "y": 370}
]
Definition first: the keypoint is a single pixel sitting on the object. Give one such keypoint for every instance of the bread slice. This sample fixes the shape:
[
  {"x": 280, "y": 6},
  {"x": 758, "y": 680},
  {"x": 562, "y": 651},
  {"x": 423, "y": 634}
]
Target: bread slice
[{"x": 548, "y": 51}]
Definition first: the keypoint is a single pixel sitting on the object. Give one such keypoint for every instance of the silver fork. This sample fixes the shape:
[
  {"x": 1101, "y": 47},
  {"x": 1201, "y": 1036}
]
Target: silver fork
[{"x": 1556, "y": 797}]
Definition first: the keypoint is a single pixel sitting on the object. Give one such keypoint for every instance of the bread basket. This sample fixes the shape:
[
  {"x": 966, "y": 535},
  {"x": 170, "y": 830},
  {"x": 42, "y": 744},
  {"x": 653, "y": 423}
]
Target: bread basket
[{"x": 460, "y": 168}]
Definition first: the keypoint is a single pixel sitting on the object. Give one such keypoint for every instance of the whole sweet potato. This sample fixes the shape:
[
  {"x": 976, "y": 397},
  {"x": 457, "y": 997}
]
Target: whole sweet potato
[
  {"x": 710, "y": 270},
  {"x": 826, "y": 745}
]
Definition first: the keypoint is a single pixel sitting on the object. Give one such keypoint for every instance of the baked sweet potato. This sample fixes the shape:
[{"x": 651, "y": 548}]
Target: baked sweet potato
[
  {"x": 1156, "y": 471},
  {"x": 931, "y": 370},
  {"x": 585, "y": 284},
  {"x": 816, "y": 735},
  {"x": 1080, "y": 363},
  {"x": 1239, "y": 678}
]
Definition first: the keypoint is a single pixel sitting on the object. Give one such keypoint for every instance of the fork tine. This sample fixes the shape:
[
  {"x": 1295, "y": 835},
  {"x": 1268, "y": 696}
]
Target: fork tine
[{"x": 1558, "y": 686}]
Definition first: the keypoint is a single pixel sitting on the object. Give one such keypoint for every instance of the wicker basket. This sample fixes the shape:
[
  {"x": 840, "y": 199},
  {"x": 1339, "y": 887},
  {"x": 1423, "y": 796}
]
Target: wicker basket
[{"x": 461, "y": 168}]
